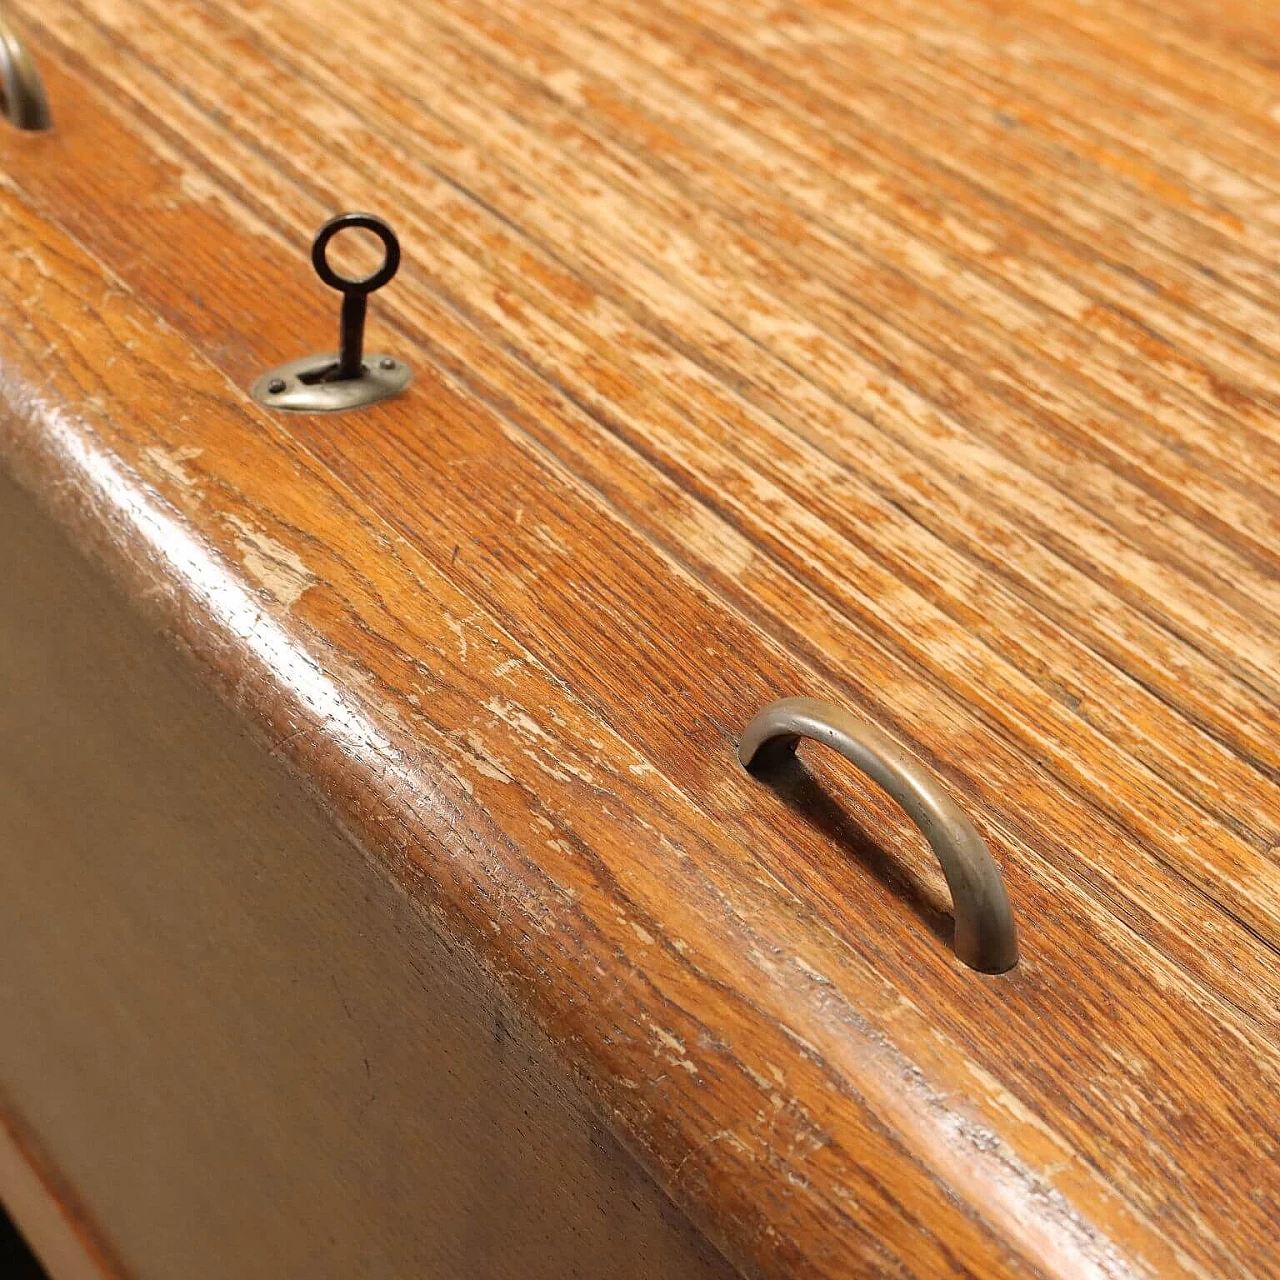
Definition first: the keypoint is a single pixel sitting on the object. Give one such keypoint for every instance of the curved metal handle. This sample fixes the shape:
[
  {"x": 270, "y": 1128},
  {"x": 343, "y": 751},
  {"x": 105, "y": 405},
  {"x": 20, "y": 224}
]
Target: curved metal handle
[
  {"x": 24, "y": 101},
  {"x": 985, "y": 936}
]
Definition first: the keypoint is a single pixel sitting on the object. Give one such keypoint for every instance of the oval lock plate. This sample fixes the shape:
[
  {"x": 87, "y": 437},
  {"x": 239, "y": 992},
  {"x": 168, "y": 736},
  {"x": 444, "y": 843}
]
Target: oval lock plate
[{"x": 300, "y": 385}]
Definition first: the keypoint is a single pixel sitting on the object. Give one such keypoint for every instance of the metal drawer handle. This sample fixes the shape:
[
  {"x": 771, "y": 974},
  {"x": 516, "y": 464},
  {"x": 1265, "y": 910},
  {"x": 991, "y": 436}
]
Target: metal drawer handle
[
  {"x": 985, "y": 937},
  {"x": 22, "y": 90}
]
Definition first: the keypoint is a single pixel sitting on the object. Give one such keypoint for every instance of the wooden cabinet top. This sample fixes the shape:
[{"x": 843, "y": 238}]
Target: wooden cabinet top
[{"x": 919, "y": 357}]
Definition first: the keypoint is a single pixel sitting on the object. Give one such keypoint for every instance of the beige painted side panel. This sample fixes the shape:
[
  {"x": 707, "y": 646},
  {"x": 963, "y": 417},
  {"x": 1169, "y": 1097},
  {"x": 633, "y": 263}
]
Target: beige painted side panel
[{"x": 248, "y": 1056}]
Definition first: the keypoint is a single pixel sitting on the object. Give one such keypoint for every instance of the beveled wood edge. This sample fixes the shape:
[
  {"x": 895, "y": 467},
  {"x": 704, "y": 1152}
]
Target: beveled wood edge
[{"x": 68, "y": 1243}]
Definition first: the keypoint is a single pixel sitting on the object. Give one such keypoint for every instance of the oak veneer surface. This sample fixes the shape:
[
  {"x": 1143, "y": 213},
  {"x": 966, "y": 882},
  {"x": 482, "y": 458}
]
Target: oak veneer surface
[{"x": 921, "y": 357}]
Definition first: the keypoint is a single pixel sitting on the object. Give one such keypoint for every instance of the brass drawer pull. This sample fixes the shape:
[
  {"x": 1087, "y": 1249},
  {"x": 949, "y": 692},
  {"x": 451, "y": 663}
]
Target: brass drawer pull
[
  {"x": 25, "y": 104},
  {"x": 985, "y": 936}
]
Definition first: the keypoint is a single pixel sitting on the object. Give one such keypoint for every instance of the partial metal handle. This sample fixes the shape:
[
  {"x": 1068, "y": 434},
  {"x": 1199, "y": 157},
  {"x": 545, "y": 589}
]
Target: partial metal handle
[
  {"x": 985, "y": 936},
  {"x": 24, "y": 101}
]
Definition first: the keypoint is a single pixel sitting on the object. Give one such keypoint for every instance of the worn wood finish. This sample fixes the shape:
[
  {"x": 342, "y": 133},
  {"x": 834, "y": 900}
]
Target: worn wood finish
[
  {"x": 240, "y": 1049},
  {"x": 919, "y": 358}
]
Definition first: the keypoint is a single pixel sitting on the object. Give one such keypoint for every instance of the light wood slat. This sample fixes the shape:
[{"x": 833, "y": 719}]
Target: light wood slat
[{"x": 1059, "y": 293}]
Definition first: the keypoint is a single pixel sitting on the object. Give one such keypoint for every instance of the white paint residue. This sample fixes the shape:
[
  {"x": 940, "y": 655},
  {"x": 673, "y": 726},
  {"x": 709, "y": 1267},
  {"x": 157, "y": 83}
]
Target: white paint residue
[
  {"x": 816, "y": 974},
  {"x": 273, "y": 564},
  {"x": 195, "y": 188},
  {"x": 228, "y": 602},
  {"x": 674, "y": 1049},
  {"x": 569, "y": 85},
  {"x": 459, "y": 629},
  {"x": 525, "y": 725},
  {"x": 484, "y": 761},
  {"x": 666, "y": 1038},
  {"x": 169, "y": 462}
]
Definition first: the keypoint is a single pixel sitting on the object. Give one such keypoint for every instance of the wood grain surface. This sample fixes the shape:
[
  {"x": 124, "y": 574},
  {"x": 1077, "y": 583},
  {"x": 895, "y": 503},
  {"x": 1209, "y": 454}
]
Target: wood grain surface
[{"x": 921, "y": 357}]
